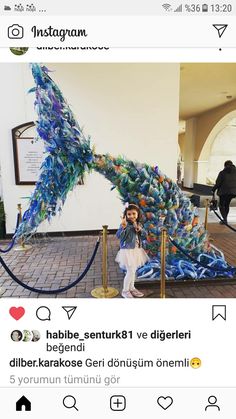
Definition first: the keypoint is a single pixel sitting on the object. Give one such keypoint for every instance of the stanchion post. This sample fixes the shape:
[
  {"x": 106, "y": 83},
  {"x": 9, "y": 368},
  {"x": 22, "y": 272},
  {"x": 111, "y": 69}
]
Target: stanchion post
[
  {"x": 104, "y": 257},
  {"x": 22, "y": 246},
  {"x": 206, "y": 214},
  {"x": 163, "y": 264},
  {"x": 104, "y": 291}
]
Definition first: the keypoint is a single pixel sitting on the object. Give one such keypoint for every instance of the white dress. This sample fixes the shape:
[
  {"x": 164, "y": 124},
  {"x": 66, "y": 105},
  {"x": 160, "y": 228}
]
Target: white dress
[{"x": 132, "y": 258}]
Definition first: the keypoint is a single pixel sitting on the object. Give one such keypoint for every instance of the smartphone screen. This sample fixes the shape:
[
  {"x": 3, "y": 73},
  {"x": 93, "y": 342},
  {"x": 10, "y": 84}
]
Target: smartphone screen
[{"x": 117, "y": 209}]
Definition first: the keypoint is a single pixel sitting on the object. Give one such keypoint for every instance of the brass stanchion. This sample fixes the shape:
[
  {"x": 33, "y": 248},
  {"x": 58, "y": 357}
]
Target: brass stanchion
[
  {"x": 163, "y": 264},
  {"x": 206, "y": 214},
  {"x": 22, "y": 246},
  {"x": 104, "y": 291}
]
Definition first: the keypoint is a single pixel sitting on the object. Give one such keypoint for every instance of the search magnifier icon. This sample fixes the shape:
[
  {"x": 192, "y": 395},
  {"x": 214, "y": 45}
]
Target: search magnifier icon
[{"x": 69, "y": 402}]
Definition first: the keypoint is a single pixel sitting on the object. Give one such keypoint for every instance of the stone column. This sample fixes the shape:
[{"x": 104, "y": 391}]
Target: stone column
[{"x": 189, "y": 148}]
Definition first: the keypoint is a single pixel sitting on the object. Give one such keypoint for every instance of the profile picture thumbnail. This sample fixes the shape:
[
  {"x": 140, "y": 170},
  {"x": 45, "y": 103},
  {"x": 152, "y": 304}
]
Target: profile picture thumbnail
[
  {"x": 19, "y": 50},
  {"x": 16, "y": 335},
  {"x": 35, "y": 336},
  {"x": 27, "y": 336}
]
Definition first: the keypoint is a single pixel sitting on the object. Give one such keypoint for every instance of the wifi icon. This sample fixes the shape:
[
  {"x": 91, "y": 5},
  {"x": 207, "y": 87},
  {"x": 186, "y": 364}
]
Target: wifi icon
[{"x": 167, "y": 7}]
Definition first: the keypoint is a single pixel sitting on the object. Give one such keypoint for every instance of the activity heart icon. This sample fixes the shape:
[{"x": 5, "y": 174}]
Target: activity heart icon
[
  {"x": 17, "y": 312},
  {"x": 165, "y": 402}
]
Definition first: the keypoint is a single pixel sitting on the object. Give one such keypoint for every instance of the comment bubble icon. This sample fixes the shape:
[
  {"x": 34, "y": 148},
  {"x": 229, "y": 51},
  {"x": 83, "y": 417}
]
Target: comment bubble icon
[{"x": 43, "y": 313}]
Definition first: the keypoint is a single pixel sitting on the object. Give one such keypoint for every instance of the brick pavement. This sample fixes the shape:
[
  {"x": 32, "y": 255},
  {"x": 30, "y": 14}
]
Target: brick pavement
[{"x": 55, "y": 262}]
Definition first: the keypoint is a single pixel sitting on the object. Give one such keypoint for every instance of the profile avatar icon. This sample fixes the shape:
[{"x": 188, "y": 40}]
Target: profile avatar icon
[
  {"x": 212, "y": 403},
  {"x": 27, "y": 336},
  {"x": 36, "y": 336},
  {"x": 19, "y": 50},
  {"x": 16, "y": 335}
]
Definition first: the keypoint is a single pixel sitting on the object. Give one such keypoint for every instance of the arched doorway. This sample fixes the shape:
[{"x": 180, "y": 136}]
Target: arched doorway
[{"x": 219, "y": 146}]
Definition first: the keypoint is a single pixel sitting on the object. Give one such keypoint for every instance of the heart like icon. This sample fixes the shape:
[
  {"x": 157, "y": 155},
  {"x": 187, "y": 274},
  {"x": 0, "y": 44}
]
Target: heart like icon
[
  {"x": 165, "y": 402},
  {"x": 17, "y": 312}
]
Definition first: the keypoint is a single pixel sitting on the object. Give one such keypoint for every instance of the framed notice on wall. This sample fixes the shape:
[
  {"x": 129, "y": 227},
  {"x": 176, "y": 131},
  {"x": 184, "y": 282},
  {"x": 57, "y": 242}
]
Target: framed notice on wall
[{"x": 28, "y": 154}]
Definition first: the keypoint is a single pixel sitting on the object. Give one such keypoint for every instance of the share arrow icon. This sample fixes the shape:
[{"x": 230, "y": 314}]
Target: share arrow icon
[
  {"x": 69, "y": 310},
  {"x": 220, "y": 29}
]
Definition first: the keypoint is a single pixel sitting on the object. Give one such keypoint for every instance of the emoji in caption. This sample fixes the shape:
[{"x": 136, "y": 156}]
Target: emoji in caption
[{"x": 195, "y": 363}]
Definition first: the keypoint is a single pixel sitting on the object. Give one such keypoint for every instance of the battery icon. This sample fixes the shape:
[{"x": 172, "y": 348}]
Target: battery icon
[{"x": 205, "y": 8}]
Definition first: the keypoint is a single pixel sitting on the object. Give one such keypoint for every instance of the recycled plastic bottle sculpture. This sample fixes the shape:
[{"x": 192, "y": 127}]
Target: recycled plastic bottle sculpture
[{"x": 69, "y": 155}]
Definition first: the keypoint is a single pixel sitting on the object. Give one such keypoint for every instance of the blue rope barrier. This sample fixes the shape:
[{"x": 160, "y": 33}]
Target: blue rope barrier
[
  {"x": 213, "y": 207},
  {"x": 55, "y": 291},
  {"x": 11, "y": 244},
  {"x": 222, "y": 220},
  {"x": 229, "y": 269}
]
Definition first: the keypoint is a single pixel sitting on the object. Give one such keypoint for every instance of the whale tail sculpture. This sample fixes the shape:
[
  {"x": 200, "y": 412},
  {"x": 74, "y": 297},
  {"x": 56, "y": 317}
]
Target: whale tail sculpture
[{"x": 162, "y": 203}]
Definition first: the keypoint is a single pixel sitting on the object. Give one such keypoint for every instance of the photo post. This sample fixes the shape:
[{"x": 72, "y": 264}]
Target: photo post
[{"x": 118, "y": 209}]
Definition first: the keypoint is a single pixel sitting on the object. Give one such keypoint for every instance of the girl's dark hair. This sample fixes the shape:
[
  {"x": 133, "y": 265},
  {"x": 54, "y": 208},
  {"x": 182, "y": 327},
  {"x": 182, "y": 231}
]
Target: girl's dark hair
[{"x": 136, "y": 208}]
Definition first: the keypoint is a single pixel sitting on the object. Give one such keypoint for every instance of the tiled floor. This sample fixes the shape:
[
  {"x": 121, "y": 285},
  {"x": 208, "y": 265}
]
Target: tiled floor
[{"x": 55, "y": 262}]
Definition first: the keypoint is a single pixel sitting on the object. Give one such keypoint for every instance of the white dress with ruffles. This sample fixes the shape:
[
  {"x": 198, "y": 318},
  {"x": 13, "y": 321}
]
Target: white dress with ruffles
[{"x": 132, "y": 258}]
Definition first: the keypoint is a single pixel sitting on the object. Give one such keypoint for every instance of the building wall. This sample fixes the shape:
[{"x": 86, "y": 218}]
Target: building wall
[
  {"x": 209, "y": 125},
  {"x": 129, "y": 109},
  {"x": 206, "y": 123}
]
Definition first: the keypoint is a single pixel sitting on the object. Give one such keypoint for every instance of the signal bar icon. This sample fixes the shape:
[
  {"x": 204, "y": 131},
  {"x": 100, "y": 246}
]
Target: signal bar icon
[{"x": 179, "y": 8}]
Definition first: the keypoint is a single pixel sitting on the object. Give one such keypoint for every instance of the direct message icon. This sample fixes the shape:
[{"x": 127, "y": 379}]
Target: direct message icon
[
  {"x": 165, "y": 402},
  {"x": 220, "y": 29},
  {"x": 69, "y": 310}
]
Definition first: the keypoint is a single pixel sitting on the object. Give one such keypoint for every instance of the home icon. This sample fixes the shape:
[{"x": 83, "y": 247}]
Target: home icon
[{"x": 23, "y": 404}]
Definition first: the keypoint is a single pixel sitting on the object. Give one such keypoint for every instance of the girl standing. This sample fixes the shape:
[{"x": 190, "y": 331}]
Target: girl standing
[{"x": 131, "y": 255}]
